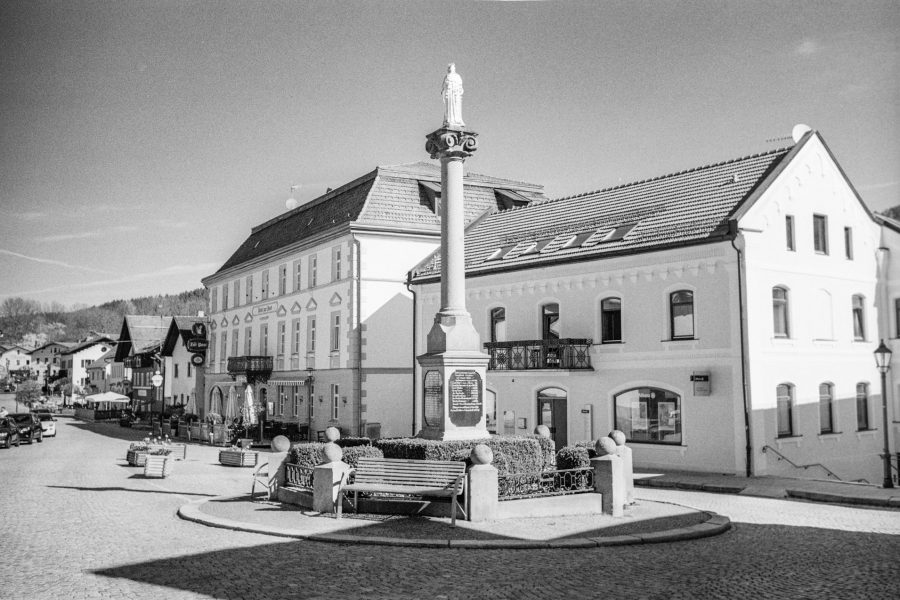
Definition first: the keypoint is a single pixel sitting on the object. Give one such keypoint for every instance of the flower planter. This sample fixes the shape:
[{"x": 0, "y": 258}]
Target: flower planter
[
  {"x": 158, "y": 466},
  {"x": 137, "y": 458},
  {"x": 238, "y": 458},
  {"x": 204, "y": 431}
]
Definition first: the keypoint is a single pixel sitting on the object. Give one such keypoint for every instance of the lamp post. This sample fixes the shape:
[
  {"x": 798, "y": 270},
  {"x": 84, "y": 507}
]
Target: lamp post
[
  {"x": 883, "y": 362},
  {"x": 309, "y": 408}
]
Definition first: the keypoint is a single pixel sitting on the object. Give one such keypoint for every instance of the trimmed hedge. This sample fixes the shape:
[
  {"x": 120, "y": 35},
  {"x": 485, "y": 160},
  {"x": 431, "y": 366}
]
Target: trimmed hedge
[
  {"x": 306, "y": 454},
  {"x": 521, "y": 454},
  {"x": 548, "y": 447},
  {"x": 354, "y": 453},
  {"x": 350, "y": 442},
  {"x": 573, "y": 457}
]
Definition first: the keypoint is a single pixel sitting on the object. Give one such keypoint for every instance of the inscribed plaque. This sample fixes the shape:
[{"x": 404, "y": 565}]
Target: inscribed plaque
[
  {"x": 466, "y": 402},
  {"x": 434, "y": 399}
]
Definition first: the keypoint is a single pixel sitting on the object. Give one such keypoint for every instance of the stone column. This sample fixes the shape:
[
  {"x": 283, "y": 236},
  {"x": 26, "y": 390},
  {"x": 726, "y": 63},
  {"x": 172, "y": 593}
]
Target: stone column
[
  {"x": 327, "y": 478},
  {"x": 483, "y": 485}
]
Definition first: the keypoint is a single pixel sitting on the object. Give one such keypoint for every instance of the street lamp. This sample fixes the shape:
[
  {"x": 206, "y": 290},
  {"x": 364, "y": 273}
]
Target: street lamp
[
  {"x": 309, "y": 407},
  {"x": 883, "y": 362}
]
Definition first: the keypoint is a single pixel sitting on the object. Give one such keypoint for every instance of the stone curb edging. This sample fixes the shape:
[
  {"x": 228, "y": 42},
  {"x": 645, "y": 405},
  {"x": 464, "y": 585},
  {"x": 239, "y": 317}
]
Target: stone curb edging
[{"x": 715, "y": 525}]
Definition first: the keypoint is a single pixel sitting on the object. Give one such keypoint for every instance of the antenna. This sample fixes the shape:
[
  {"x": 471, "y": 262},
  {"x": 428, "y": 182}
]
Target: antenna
[
  {"x": 291, "y": 203},
  {"x": 799, "y": 131}
]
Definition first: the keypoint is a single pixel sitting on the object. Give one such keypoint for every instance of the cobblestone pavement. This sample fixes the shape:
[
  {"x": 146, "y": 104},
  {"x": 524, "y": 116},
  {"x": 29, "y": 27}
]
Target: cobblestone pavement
[{"x": 75, "y": 523}]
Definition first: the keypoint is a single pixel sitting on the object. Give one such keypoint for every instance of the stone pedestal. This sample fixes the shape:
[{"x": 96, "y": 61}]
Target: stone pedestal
[
  {"x": 627, "y": 472},
  {"x": 609, "y": 481},
  {"x": 483, "y": 488},
  {"x": 326, "y": 480}
]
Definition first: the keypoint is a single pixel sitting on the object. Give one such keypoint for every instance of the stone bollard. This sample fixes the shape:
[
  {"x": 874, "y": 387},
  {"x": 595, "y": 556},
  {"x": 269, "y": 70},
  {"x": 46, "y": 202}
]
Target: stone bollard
[
  {"x": 483, "y": 486},
  {"x": 327, "y": 479},
  {"x": 609, "y": 478},
  {"x": 280, "y": 446},
  {"x": 625, "y": 454}
]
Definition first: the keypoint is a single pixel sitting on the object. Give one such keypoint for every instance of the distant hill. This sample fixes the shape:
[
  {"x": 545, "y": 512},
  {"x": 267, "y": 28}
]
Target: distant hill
[{"x": 25, "y": 322}]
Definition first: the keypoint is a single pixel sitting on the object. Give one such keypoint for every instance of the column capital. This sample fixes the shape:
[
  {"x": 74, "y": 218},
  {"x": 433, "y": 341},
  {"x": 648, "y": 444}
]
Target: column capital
[{"x": 449, "y": 142}]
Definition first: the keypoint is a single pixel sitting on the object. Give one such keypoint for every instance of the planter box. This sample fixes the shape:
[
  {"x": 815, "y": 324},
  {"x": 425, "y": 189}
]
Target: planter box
[
  {"x": 236, "y": 458},
  {"x": 196, "y": 433},
  {"x": 136, "y": 458},
  {"x": 158, "y": 466}
]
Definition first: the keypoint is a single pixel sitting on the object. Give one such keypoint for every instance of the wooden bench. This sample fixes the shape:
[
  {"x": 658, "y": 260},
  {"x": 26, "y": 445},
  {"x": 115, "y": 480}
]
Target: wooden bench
[{"x": 399, "y": 477}]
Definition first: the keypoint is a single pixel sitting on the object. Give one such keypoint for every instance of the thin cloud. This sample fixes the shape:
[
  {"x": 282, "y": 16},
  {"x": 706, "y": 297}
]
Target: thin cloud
[
  {"x": 877, "y": 186},
  {"x": 32, "y": 215},
  {"x": 83, "y": 235},
  {"x": 50, "y": 261},
  {"x": 808, "y": 47}
]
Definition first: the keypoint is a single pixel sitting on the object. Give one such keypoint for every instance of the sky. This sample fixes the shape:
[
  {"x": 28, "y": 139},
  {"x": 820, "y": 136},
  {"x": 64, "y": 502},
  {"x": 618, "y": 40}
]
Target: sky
[{"x": 142, "y": 140}]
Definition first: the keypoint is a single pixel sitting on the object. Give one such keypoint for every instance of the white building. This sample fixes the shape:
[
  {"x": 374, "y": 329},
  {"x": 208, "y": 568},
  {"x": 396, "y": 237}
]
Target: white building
[
  {"x": 723, "y": 317},
  {"x": 76, "y": 360},
  {"x": 183, "y": 377},
  {"x": 45, "y": 360},
  {"x": 15, "y": 358},
  {"x": 312, "y": 310}
]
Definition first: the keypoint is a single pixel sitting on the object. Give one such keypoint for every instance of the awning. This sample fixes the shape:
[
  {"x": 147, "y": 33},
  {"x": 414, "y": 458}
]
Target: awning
[{"x": 111, "y": 397}]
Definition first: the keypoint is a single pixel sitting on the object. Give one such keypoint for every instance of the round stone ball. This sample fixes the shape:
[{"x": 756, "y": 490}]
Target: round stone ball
[
  {"x": 332, "y": 434},
  {"x": 542, "y": 430},
  {"x": 618, "y": 437},
  {"x": 605, "y": 446},
  {"x": 482, "y": 455},
  {"x": 281, "y": 444},
  {"x": 332, "y": 452}
]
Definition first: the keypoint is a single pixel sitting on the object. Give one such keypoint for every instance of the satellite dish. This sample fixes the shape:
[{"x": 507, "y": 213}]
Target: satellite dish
[
  {"x": 291, "y": 203},
  {"x": 799, "y": 131}
]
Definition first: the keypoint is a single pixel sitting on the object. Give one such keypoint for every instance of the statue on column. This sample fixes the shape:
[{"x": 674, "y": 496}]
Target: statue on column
[{"x": 452, "y": 94}]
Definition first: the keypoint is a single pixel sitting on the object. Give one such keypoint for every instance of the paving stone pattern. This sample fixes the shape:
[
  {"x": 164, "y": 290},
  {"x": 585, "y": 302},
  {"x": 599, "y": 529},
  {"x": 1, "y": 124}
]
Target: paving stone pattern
[{"x": 77, "y": 523}]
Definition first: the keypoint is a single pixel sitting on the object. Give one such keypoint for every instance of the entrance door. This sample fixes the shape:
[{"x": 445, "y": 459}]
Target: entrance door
[{"x": 552, "y": 412}]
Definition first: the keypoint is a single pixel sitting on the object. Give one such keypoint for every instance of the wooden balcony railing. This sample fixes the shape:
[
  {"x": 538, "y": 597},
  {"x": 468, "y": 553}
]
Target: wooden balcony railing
[
  {"x": 522, "y": 355},
  {"x": 254, "y": 368}
]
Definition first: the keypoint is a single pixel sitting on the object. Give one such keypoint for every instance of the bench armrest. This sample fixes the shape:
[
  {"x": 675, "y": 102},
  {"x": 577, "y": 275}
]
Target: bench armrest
[{"x": 344, "y": 479}]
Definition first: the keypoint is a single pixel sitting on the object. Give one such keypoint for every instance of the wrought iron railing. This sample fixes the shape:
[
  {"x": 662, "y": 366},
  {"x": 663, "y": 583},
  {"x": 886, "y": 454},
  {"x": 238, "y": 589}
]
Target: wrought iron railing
[
  {"x": 252, "y": 367},
  {"x": 547, "y": 483},
  {"x": 567, "y": 353},
  {"x": 299, "y": 477}
]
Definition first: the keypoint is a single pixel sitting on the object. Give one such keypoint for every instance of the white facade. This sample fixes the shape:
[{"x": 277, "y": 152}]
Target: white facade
[{"x": 77, "y": 360}]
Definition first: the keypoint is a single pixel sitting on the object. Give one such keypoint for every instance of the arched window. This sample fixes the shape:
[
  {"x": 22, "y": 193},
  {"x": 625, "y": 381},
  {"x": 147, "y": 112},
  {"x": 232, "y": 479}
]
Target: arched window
[
  {"x": 780, "y": 312},
  {"x": 611, "y": 320},
  {"x": 550, "y": 321},
  {"x": 681, "y": 312},
  {"x": 498, "y": 324},
  {"x": 785, "y": 409},
  {"x": 826, "y": 412},
  {"x": 859, "y": 318},
  {"x": 648, "y": 414},
  {"x": 862, "y": 406}
]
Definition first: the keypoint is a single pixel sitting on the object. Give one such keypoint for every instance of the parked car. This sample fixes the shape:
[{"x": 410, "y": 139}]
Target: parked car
[
  {"x": 9, "y": 433},
  {"x": 29, "y": 427},
  {"x": 48, "y": 423}
]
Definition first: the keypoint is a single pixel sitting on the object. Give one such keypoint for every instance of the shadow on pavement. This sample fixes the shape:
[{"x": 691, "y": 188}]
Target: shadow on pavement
[
  {"x": 753, "y": 561},
  {"x": 123, "y": 489}
]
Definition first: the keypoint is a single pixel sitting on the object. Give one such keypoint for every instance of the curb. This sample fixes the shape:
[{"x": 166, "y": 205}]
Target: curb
[
  {"x": 714, "y": 525},
  {"x": 892, "y": 502}
]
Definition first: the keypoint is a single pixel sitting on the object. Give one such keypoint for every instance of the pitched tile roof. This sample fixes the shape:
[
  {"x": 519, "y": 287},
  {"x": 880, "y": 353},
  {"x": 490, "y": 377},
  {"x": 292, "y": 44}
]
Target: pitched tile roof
[
  {"x": 100, "y": 363},
  {"x": 388, "y": 197},
  {"x": 141, "y": 333},
  {"x": 180, "y": 327},
  {"x": 676, "y": 209}
]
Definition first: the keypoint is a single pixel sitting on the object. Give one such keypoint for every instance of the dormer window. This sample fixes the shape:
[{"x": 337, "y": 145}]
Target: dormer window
[
  {"x": 430, "y": 194},
  {"x": 507, "y": 199}
]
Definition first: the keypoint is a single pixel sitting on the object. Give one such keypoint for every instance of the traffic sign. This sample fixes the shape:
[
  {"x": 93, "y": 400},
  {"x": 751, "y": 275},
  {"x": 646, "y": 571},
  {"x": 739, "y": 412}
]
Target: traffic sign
[
  {"x": 197, "y": 360},
  {"x": 197, "y": 345}
]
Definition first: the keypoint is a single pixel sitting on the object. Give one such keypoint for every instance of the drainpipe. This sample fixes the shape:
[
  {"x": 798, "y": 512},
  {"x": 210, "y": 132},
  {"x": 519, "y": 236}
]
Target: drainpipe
[
  {"x": 414, "y": 323},
  {"x": 739, "y": 244},
  {"x": 357, "y": 291}
]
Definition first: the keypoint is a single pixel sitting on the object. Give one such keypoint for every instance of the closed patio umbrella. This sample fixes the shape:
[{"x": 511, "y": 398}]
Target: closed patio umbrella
[{"x": 230, "y": 408}]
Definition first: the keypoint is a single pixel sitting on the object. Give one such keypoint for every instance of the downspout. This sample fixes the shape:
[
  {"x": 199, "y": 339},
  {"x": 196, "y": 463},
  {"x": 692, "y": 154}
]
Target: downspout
[
  {"x": 414, "y": 323},
  {"x": 739, "y": 248},
  {"x": 357, "y": 291}
]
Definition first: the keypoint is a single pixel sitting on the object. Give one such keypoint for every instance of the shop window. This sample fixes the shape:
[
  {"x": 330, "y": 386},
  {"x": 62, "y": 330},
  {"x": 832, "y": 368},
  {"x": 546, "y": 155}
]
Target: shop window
[
  {"x": 335, "y": 400},
  {"x": 681, "y": 310},
  {"x": 785, "y": 410},
  {"x": 611, "y": 320},
  {"x": 649, "y": 414}
]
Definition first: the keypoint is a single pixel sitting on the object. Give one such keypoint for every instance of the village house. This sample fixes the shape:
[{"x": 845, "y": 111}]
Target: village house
[
  {"x": 184, "y": 376},
  {"x": 45, "y": 360},
  {"x": 76, "y": 360}
]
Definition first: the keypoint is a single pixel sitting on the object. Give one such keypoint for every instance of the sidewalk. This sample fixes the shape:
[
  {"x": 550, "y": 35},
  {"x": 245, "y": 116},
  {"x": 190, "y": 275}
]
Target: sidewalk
[{"x": 774, "y": 487}]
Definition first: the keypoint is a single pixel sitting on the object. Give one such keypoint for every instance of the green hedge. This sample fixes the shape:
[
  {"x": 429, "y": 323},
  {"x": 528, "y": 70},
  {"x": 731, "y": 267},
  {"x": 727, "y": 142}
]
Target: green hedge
[
  {"x": 306, "y": 454},
  {"x": 354, "y": 453},
  {"x": 548, "y": 448},
  {"x": 521, "y": 454},
  {"x": 350, "y": 442},
  {"x": 573, "y": 457}
]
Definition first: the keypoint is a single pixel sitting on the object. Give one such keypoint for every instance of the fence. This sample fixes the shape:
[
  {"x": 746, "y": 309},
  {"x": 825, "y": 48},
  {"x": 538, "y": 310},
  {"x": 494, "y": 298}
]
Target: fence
[{"x": 548, "y": 483}]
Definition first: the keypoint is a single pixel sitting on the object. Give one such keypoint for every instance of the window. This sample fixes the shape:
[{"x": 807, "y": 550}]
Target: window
[
  {"x": 281, "y": 399},
  {"x": 225, "y": 297},
  {"x": 264, "y": 339},
  {"x": 313, "y": 270},
  {"x": 189, "y": 368},
  {"x": 649, "y": 414},
  {"x": 790, "y": 244},
  {"x": 312, "y": 404},
  {"x": 234, "y": 343},
  {"x": 295, "y": 403},
  {"x": 785, "y": 410},
  {"x": 310, "y": 334},
  {"x": 335, "y": 263},
  {"x": 826, "y": 414},
  {"x": 780, "y": 312},
  {"x": 859, "y": 318},
  {"x": 862, "y": 406},
  {"x": 611, "y": 320},
  {"x": 295, "y": 348},
  {"x": 820, "y": 234},
  {"x": 498, "y": 324},
  {"x": 282, "y": 335},
  {"x": 264, "y": 287},
  {"x": 335, "y": 400},
  {"x": 248, "y": 341},
  {"x": 213, "y": 299},
  {"x": 175, "y": 372},
  {"x": 550, "y": 322},
  {"x": 237, "y": 291},
  {"x": 298, "y": 270},
  {"x": 282, "y": 280},
  {"x": 248, "y": 289},
  {"x": 335, "y": 332},
  {"x": 897, "y": 317},
  {"x": 848, "y": 243},
  {"x": 224, "y": 351},
  {"x": 682, "y": 314}
]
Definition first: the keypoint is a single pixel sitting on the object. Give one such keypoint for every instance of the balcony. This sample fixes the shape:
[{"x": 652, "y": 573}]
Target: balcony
[
  {"x": 563, "y": 354},
  {"x": 252, "y": 368}
]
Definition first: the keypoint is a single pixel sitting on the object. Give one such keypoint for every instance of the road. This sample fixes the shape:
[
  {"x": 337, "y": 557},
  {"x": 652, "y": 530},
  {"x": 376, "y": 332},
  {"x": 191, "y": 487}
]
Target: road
[{"x": 75, "y": 523}]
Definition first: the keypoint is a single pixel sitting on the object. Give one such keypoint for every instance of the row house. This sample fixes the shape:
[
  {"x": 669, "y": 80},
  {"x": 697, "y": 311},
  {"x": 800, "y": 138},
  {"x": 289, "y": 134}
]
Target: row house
[
  {"x": 184, "y": 378},
  {"x": 311, "y": 318},
  {"x": 46, "y": 361},
  {"x": 15, "y": 362},
  {"x": 138, "y": 350},
  {"x": 723, "y": 317}
]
